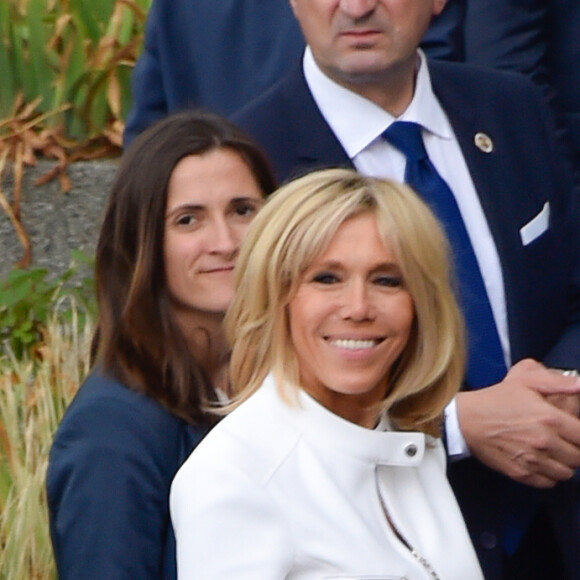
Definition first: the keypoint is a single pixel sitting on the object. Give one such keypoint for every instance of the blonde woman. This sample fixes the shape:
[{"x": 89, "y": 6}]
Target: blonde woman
[{"x": 347, "y": 345}]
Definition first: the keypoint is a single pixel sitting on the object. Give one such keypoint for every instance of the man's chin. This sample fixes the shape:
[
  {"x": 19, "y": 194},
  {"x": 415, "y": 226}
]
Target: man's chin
[{"x": 358, "y": 68}]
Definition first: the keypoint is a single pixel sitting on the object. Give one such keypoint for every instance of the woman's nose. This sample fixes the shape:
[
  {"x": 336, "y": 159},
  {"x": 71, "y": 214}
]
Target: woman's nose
[
  {"x": 356, "y": 302},
  {"x": 224, "y": 237}
]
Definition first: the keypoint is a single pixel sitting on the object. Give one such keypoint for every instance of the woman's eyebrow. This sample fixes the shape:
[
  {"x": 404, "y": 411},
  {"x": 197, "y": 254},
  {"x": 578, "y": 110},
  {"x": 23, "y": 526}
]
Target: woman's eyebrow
[
  {"x": 184, "y": 207},
  {"x": 247, "y": 198}
]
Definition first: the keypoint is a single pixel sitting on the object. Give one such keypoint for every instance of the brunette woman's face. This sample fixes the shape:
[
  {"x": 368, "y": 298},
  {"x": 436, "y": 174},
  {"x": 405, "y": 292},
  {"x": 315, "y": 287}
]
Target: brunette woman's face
[{"x": 211, "y": 200}]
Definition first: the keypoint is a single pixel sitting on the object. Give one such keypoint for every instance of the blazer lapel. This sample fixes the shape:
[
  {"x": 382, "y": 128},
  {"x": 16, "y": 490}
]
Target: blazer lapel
[
  {"x": 315, "y": 143},
  {"x": 511, "y": 193}
]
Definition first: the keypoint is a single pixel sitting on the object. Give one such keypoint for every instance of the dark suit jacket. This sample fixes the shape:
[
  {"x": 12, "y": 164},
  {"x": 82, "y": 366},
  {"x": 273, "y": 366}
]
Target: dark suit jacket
[
  {"x": 111, "y": 465},
  {"x": 538, "y": 38},
  {"x": 215, "y": 54},
  {"x": 514, "y": 181}
]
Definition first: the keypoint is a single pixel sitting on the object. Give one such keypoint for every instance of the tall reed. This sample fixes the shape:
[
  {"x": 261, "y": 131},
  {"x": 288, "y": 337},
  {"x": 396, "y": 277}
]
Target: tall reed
[{"x": 34, "y": 392}]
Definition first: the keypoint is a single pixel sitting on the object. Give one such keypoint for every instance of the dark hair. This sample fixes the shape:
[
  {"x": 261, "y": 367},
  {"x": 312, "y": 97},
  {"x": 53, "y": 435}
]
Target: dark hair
[{"x": 137, "y": 339}]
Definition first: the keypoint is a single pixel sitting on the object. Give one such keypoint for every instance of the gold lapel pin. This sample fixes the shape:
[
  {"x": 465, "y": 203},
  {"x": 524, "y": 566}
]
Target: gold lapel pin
[{"x": 483, "y": 142}]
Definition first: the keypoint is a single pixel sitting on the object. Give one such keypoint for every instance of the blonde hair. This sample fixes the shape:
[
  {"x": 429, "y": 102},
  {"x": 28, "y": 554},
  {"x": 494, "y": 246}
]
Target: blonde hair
[{"x": 290, "y": 232}]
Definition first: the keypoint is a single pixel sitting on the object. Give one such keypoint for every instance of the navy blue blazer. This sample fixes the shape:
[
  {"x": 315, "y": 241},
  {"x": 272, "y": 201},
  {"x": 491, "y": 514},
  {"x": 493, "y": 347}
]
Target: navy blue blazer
[
  {"x": 212, "y": 54},
  {"x": 111, "y": 464},
  {"x": 539, "y": 38},
  {"x": 513, "y": 182}
]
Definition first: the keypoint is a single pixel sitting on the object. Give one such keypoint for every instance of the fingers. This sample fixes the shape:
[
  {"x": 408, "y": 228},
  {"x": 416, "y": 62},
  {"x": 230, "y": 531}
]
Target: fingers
[
  {"x": 567, "y": 426},
  {"x": 514, "y": 429},
  {"x": 540, "y": 481},
  {"x": 545, "y": 469},
  {"x": 567, "y": 403},
  {"x": 544, "y": 380}
]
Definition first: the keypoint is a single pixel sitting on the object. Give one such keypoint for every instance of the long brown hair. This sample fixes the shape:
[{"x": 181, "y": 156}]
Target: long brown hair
[{"x": 137, "y": 339}]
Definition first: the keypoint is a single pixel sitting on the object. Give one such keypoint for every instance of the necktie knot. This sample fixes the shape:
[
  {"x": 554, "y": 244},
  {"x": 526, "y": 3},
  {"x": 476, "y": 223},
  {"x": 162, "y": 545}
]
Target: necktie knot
[{"x": 407, "y": 138}]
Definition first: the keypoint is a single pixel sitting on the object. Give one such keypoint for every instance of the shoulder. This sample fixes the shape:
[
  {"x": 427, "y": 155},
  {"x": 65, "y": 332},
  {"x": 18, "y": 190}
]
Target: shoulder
[
  {"x": 165, "y": 11},
  {"x": 287, "y": 123},
  {"x": 256, "y": 116},
  {"x": 107, "y": 417},
  {"x": 253, "y": 441},
  {"x": 227, "y": 479},
  {"x": 506, "y": 105},
  {"x": 101, "y": 399},
  {"x": 482, "y": 83},
  {"x": 110, "y": 468},
  {"x": 224, "y": 486}
]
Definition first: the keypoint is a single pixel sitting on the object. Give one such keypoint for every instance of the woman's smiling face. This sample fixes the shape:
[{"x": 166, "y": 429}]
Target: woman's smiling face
[{"x": 350, "y": 320}]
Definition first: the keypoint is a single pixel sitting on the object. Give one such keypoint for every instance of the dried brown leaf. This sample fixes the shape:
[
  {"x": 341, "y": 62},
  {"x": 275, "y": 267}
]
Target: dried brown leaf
[
  {"x": 114, "y": 94},
  {"x": 48, "y": 176},
  {"x": 28, "y": 109},
  {"x": 65, "y": 184},
  {"x": 115, "y": 134},
  {"x": 18, "y": 171},
  {"x": 16, "y": 223},
  {"x": 61, "y": 23}
]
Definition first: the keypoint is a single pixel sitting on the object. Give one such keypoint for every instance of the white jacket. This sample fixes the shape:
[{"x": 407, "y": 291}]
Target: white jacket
[{"x": 295, "y": 492}]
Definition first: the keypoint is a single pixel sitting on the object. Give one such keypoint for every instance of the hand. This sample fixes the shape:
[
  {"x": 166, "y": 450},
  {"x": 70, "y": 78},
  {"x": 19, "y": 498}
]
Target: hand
[
  {"x": 517, "y": 428},
  {"x": 568, "y": 403}
]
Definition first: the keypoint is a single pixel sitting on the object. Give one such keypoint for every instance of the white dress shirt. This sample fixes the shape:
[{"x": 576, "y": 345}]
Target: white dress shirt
[
  {"x": 359, "y": 132},
  {"x": 279, "y": 491}
]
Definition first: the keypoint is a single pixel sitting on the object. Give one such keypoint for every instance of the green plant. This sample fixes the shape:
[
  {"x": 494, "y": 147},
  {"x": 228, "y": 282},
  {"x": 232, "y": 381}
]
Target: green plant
[
  {"x": 66, "y": 63},
  {"x": 35, "y": 389},
  {"x": 65, "y": 86},
  {"x": 27, "y": 299}
]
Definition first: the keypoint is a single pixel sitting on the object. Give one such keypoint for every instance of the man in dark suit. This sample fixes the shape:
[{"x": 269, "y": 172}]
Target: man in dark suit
[
  {"x": 514, "y": 446},
  {"x": 213, "y": 54}
]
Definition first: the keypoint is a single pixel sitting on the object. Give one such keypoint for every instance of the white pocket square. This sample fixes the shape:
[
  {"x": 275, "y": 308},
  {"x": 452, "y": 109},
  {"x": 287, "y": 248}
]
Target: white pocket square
[{"x": 536, "y": 226}]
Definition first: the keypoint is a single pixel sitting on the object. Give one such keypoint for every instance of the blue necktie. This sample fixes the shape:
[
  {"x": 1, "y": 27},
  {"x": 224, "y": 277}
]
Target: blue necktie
[{"x": 485, "y": 364}]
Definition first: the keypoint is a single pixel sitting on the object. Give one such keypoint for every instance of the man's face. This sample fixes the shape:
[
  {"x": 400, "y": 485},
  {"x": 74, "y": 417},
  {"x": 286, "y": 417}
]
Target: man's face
[{"x": 363, "y": 41}]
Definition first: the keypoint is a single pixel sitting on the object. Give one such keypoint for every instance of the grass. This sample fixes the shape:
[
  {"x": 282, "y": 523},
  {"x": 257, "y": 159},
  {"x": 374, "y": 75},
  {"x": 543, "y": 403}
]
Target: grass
[
  {"x": 34, "y": 392},
  {"x": 66, "y": 66},
  {"x": 65, "y": 90}
]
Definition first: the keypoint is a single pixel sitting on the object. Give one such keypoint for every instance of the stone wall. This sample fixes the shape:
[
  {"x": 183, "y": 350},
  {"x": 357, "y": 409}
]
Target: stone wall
[{"x": 55, "y": 221}]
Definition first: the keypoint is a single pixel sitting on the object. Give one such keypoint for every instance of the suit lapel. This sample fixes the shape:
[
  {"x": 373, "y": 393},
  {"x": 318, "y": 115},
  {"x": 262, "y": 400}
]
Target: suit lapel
[
  {"x": 315, "y": 143},
  {"x": 509, "y": 197},
  {"x": 495, "y": 173}
]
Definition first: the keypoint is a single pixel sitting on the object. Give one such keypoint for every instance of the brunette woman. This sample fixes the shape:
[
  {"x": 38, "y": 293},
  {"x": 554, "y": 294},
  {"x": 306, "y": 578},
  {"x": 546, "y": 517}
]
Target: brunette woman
[{"x": 184, "y": 195}]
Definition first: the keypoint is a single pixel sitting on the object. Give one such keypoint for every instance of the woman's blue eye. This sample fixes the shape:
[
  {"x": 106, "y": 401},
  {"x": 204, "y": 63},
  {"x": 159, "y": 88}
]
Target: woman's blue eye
[
  {"x": 325, "y": 278},
  {"x": 389, "y": 281}
]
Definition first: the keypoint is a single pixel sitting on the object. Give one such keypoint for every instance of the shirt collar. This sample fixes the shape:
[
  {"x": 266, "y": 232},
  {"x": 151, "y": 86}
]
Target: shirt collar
[
  {"x": 322, "y": 427},
  {"x": 366, "y": 121}
]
